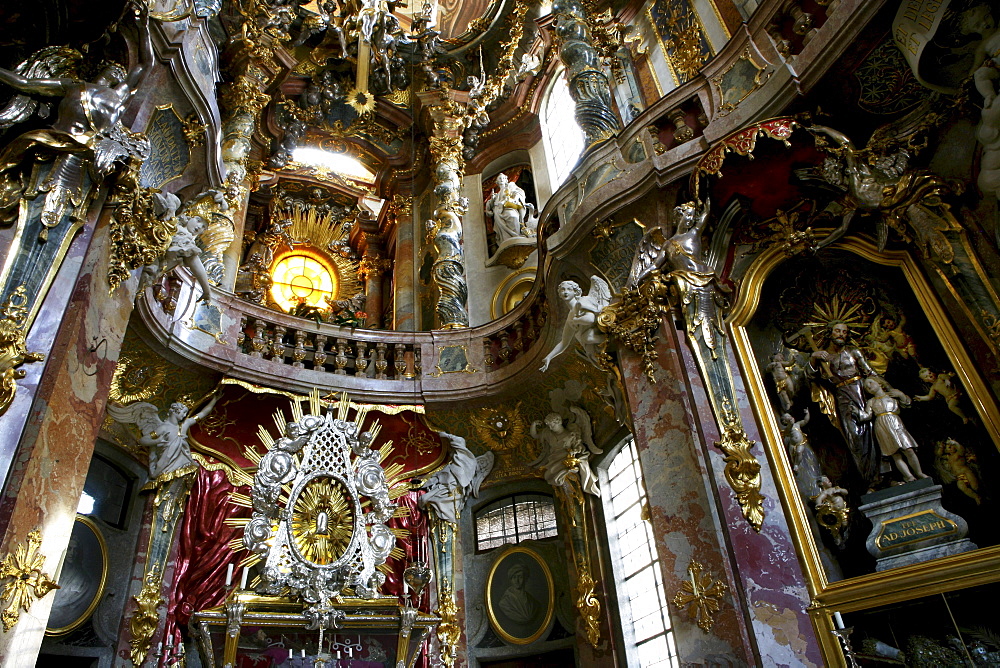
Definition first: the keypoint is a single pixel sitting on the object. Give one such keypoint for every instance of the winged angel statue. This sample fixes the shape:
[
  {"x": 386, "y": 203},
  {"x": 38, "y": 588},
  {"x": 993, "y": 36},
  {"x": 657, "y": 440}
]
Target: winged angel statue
[
  {"x": 166, "y": 438},
  {"x": 581, "y": 321},
  {"x": 567, "y": 443},
  {"x": 448, "y": 488},
  {"x": 88, "y": 137}
]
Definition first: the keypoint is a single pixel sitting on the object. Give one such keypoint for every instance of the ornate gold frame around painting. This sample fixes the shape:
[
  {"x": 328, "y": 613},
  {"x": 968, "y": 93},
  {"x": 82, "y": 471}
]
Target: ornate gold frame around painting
[
  {"x": 549, "y": 604},
  {"x": 89, "y": 523},
  {"x": 961, "y": 571}
]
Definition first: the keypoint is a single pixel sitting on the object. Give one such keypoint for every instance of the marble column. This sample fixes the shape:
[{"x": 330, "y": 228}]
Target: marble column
[
  {"x": 53, "y": 454},
  {"x": 444, "y": 229},
  {"x": 588, "y": 84},
  {"x": 371, "y": 270},
  {"x": 404, "y": 289},
  {"x": 696, "y": 518}
]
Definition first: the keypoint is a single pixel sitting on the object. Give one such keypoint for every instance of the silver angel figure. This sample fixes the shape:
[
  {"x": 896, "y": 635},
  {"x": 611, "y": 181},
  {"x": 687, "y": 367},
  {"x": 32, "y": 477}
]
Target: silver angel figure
[
  {"x": 87, "y": 137},
  {"x": 166, "y": 438},
  {"x": 448, "y": 488},
  {"x": 581, "y": 321}
]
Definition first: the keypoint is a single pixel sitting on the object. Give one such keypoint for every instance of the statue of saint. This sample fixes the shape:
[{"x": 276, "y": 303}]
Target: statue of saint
[
  {"x": 508, "y": 209},
  {"x": 844, "y": 365},
  {"x": 581, "y": 321},
  {"x": 166, "y": 438}
]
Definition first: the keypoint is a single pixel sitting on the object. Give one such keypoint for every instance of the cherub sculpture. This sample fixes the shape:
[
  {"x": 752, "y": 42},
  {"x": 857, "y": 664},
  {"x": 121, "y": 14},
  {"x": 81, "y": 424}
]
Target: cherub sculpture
[
  {"x": 786, "y": 375},
  {"x": 448, "y": 488},
  {"x": 566, "y": 448},
  {"x": 890, "y": 433},
  {"x": 957, "y": 465},
  {"x": 795, "y": 438},
  {"x": 581, "y": 321},
  {"x": 166, "y": 438},
  {"x": 183, "y": 248},
  {"x": 943, "y": 385},
  {"x": 832, "y": 511}
]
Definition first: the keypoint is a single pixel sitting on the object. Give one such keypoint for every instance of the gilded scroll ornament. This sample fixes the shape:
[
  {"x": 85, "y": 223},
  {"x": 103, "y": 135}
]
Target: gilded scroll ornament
[
  {"x": 139, "y": 236},
  {"x": 449, "y": 632},
  {"x": 13, "y": 348},
  {"x": 588, "y": 606},
  {"x": 742, "y": 469},
  {"x": 23, "y": 580},
  {"x": 144, "y": 620},
  {"x": 701, "y": 595}
]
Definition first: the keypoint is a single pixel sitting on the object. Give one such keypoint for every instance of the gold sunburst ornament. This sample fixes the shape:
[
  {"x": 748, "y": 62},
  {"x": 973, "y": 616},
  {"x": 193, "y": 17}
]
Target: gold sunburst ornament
[
  {"x": 361, "y": 101},
  {"x": 323, "y": 520},
  {"x": 24, "y": 581}
]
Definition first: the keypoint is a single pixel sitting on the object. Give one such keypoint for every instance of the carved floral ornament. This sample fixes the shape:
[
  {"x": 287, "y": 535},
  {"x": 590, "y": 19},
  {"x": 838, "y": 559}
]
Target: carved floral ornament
[
  {"x": 23, "y": 580},
  {"x": 701, "y": 595}
]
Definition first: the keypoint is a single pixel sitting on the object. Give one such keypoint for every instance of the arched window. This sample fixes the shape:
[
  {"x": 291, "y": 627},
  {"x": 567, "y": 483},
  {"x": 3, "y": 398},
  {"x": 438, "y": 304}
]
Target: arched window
[
  {"x": 299, "y": 277},
  {"x": 564, "y": 140},
  {"x": 641, "y": 594},
  {"x": 515, "y": 518}
]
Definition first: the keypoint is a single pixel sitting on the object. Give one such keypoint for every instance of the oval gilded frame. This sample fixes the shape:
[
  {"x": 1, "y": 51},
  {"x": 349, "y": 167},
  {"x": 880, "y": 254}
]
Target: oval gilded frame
[
  {"x": 72, "y": 626},
  {"x": 549, "y": 603}
]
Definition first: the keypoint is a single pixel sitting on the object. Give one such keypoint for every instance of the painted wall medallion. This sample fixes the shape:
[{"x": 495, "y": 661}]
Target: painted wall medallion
[
  {"x": 519, "y": 596},
  {"x": 81, "y": 582}
]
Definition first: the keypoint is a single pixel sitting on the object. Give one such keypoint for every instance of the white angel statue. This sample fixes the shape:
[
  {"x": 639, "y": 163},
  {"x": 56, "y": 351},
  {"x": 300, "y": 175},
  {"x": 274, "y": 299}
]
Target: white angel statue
[
  {"x": 167, "y": 438},
  {"x": 183, "y": 248},
  {"x": 566, "y": 448},
  {"x": 581, "y": 321},
  {"x": 448, "y": 488}
]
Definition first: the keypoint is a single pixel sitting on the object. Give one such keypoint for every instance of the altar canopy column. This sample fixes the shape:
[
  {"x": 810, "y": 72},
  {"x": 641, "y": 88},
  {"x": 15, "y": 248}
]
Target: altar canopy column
[
  {"x": 445, "y": 228},
  {"x": 698, "y": 524},
  {"x": 588, "y": 84}
]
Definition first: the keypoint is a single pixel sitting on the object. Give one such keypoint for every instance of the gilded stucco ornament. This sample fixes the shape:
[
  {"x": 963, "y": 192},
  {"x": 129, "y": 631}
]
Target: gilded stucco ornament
[
  {"x": 23, "y": 580},
  {"x": 13, "y": 349},
  {"x": 142, "y": 624},
  {"x": 701, "y": 595},
  {"x": 139, "y": 231}
]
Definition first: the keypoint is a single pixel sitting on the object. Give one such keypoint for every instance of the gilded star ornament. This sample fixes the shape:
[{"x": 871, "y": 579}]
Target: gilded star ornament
[
  {"x": 23, "y": 580},
  {"x": 701, "y": 595}
]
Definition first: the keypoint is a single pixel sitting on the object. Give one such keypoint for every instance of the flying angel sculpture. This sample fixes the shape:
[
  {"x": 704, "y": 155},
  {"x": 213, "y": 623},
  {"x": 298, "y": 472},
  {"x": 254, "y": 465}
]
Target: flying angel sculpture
[
  {"x": 448, "y": 488},
  {"x": 581, "y": 321}
]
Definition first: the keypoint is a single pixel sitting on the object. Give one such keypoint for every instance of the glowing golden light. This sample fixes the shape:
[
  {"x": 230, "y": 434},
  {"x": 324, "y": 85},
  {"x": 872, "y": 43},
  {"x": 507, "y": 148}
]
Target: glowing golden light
[
  {"x": 298, "y": 279},
  {"x": 323, "y": 520}
]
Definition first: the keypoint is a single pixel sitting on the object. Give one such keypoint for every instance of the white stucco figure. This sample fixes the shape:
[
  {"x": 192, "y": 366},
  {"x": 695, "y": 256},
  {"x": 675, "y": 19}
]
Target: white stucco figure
[
  {"x": 567, "y": 444},
  {"x": 581, "y": 321},
  {"x": 449, "y": 487}
]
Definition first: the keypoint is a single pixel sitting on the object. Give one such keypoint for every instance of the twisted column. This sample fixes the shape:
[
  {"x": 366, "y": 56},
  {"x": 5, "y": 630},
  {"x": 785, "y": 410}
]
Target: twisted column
[
  {"x": 444, "y": 230},
  {"x": 588, "y": 84}
]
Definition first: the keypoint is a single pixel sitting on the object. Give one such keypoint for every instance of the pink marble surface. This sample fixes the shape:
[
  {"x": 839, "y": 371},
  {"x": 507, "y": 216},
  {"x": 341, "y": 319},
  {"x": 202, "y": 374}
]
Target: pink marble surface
[{"x": 696, "y": 516}]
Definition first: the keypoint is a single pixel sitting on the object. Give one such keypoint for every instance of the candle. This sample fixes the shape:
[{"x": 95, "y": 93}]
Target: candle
[
  {"x": 406, "y": 589},
  {"x": 159, "y": 649},
  {"x": 229, "y": 575},
  {"x": 838, "y": 621},
  {"x": 243, "y": 578},
  {"x": 350, "y": 652},
  {"x": 338, "y": 655},
  {"x": 303, "y": 655},
  {"x": 291, "y": 654}
]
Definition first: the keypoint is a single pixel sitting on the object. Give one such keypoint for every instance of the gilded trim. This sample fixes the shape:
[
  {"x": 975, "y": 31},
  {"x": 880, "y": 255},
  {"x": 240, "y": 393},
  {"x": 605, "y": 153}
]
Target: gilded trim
[
  {"x": 89, "y": 523},
  {"x": 549, "y": 603}
]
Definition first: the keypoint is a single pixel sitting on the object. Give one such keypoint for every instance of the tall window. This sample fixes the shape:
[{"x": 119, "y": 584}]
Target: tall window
[
  {"x": 564, "y": 140},
  {"x": 641, "y": 593},
  {"x": 515, "y": 518}
]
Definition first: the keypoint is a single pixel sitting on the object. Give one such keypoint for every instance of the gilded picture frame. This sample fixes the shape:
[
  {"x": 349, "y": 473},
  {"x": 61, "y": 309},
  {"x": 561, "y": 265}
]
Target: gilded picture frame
[
  {"x": 963, "y": 570},
  {"x": 81, "y": 580},
  {"x": 518, "y": 611}
]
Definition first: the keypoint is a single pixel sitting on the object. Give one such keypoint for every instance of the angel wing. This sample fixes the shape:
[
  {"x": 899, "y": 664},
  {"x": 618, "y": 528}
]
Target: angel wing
[
  {"x": 142, "y": 414},
  {"x": 116, "y": 145},
  {"x": 646, "y": 255},
  {"x": 586, "y": 430},
  {"x": 599, "y": 295},
  {"x": 484, "y": 464},
  {"x": 52, "y": 62}
]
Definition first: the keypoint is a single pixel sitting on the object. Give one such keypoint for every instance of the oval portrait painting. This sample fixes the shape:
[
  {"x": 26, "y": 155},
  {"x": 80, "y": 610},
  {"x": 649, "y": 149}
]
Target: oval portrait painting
[
  {"x": 81, "y": 581},
  {"x": 519, "y": 596}
]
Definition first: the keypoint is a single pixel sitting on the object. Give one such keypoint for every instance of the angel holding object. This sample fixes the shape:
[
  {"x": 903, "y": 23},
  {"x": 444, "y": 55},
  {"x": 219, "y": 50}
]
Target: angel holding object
[
  {"x": 88, "y": 136},
  {"x": 581, "y": 321},
  {"x": 567, "y": 448},
  {"x": 166, "y": 438},
  {"x": 183, "y": 248}
]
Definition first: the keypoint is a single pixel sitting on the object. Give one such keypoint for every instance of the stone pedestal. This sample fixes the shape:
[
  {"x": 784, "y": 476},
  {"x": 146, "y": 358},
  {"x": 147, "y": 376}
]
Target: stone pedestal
[{"x": 911, "y": 526}]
